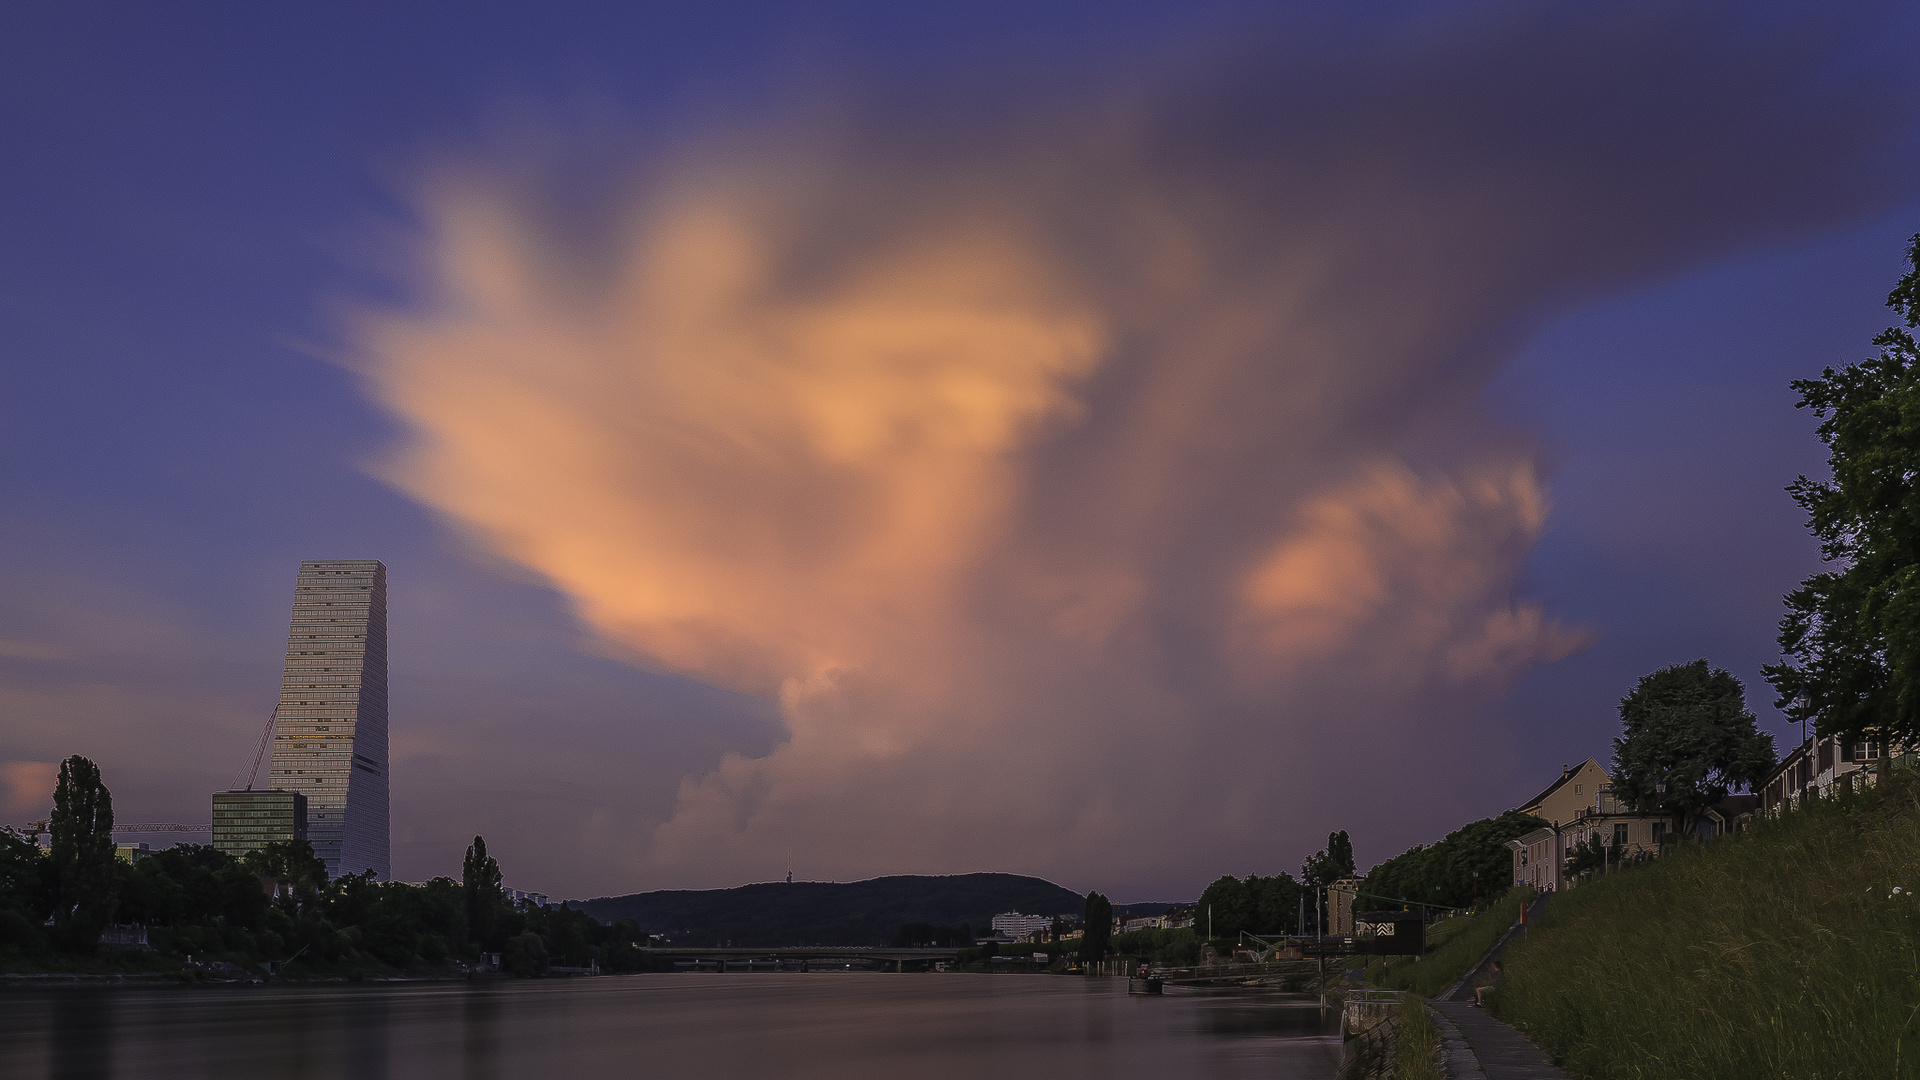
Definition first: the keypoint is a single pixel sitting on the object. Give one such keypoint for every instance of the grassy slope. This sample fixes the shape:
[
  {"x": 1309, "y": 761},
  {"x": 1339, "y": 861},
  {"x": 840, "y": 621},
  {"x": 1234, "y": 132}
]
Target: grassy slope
[
  {"x": 1454, "y": 946},
  {"x": 1782, "y": 952}
]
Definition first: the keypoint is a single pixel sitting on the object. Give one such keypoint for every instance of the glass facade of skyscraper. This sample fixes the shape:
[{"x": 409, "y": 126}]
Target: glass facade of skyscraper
[
  {"x": 330, "y": 744},
  {"x": 246, "y": 821}
]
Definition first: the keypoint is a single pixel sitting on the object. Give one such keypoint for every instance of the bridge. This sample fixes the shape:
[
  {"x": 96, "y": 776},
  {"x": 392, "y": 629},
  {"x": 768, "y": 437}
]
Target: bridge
[{"x": 804, "y": 958}]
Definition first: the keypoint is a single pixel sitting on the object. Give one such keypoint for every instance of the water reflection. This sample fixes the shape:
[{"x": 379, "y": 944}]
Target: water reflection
[
  {"x": 803, "y": 1026},
  {"x": 80, "y": 1042}
]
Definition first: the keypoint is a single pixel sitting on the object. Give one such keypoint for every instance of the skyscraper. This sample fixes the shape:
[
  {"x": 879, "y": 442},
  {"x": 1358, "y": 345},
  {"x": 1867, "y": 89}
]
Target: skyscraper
[{"x": 331, "y": 740}]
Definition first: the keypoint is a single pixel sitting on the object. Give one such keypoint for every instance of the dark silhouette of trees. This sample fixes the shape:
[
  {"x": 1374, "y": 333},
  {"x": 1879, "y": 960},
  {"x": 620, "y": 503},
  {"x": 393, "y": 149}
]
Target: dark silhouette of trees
[
  {"x": 1099, "y": 931},
  {"x": 1851, "y": 635},
  {"x": 80, "y": 862},
  {"x": 480, "y": 882},
  {"x": 1445, "y": 873}
]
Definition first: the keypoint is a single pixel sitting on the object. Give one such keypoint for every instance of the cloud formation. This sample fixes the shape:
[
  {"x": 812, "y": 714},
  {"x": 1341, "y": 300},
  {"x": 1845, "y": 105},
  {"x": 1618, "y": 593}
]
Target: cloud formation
[{"x": 1093, "y": 481}]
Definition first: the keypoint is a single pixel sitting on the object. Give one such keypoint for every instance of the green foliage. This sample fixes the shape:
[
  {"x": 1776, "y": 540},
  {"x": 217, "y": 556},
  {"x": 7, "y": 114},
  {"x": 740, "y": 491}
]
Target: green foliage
[
  {"x": 1224, "y": 909},
  {"x": 81, "y": 862},
  {"x": 1099, "y": 928},
  {"x": 525, "y": 955},
  {"x": 21, "y": 876},
  {"x": 1687, "y": 727},
  {"x": 1331, "y": 863},
  {"x": 1851, "y": 635},
  {"x": 1785, "y": 950},
  {"x": 291, "y": 864},
  {"x": 1257, "y": 905},
  {"x": 480, "y": 885},
  {"x": 1163, "y": 948},
  {"x": 1588, "y": 854},
  {"x": 1444, "y": 874},
  {"x": 1417, "y": 1046}
]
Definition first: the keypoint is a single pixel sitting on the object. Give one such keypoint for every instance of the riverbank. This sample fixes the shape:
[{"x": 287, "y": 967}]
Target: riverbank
[{"x": 1786, "y": 950}]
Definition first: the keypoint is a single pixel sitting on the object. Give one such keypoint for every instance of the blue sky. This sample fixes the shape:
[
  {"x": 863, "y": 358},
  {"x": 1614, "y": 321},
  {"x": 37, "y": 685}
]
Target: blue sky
[{"x": 194, "y": 201}]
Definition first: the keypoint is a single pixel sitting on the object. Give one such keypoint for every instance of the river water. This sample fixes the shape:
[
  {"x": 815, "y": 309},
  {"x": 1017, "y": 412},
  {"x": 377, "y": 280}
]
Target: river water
[{"x": 981, "y": 1027}]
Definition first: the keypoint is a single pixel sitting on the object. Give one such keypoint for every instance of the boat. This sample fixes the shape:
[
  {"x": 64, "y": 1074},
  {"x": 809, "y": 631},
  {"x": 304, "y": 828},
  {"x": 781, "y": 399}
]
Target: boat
[{"x": 1143, "y": 984}]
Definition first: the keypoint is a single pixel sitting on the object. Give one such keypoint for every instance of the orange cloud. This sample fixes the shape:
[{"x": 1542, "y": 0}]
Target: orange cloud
[
  {"x": 1080, "y": 481},
  {"x": 26, "y": 787}
]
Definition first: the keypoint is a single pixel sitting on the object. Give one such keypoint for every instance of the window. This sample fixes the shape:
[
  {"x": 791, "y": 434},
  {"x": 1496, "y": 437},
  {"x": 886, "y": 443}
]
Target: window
[
  {"x": 1659, "y": 832},
  {"x": 1576, "y": 789},
  {"x": 1620, "y": 835}
]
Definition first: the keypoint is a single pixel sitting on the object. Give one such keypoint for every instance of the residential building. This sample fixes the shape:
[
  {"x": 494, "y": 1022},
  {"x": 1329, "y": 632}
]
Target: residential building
[
  {"x": 330, "y": 743},
  {"x": 1581, "y": 805},
  {"x": 245, "y": 821},
  {"x": 520, "y": 896},
  {"x": 1564, "y": 800},
  {"x": 131, "y": 852},
  {"x": 1818, "y": 765},
  {"x": 1015, "y": 926}
]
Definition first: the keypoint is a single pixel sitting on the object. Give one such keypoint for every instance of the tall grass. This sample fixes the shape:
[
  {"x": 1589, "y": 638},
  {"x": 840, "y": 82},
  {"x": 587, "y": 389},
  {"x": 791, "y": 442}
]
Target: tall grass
[
  {"x": 1416, "y": 1054},
  {"x": 1785, "y": 951},
  {"x": 1459, "y": 943}
]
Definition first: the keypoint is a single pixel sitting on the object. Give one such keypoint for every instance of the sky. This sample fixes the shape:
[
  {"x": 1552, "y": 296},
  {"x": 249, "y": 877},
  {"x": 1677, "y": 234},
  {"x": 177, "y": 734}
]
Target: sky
[{"x": 1118, "y": 443}]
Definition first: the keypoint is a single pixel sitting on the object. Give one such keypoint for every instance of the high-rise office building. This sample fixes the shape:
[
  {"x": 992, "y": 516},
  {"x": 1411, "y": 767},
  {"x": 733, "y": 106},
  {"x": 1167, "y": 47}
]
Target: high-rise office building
[
  {"x": 330, "y": 744},
  {"x": 245, "y": 821}
]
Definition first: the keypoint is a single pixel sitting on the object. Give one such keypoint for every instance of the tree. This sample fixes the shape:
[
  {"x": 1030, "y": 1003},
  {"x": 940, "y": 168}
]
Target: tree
[
  {"x": 1099, "y": 916},
  {"x": 1276, "y": 903},
  {"x": 1472, "y": 860},
  {"x": 1224, "y": 909},
  {"x": 480, "y": 880},
  {"x": 525, "y": 955},
  {"x": 291, "y": 864},
  {"x": 81, "y": 860},
  {"x": 1851, "y": 635},
  {"x": 1331, "y": 863},
  {"x": 1686, "y": 728}
]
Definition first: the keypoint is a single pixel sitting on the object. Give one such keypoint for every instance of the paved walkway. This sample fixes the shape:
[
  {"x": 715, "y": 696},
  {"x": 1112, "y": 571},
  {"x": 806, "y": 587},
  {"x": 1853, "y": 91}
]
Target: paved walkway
[{"x": 1476, "y": 1046}]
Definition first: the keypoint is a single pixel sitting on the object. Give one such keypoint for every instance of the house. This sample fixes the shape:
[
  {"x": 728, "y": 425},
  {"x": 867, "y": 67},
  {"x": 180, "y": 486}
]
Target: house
[
  {"x": 1579, "y": 806},
  {"x": 1818, "y": 765},
  {"x": 1566, "y": 797}
]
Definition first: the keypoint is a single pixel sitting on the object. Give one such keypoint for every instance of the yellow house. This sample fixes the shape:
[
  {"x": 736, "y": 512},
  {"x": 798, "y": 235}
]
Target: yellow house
[{"x": 1566, "y": 797}]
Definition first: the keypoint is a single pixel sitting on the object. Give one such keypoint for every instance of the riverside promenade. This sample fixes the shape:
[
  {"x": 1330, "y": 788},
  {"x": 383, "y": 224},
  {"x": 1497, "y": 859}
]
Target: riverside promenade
[{"x": 1475, "y": 1045}]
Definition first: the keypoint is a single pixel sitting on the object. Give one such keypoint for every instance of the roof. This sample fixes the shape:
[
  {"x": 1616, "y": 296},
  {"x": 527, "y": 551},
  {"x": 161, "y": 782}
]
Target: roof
[
  {"x": 1560, "y": 783},
  {"x": 1784, "y": 763},
  {"x": 1533, "y": 837}
]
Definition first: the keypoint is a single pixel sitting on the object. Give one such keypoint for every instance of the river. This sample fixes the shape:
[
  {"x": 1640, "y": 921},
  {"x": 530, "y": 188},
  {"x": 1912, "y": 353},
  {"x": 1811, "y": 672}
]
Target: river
[{"x": 981, "y": 1027}]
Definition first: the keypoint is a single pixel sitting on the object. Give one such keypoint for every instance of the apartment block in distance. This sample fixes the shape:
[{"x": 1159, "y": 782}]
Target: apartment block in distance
[
  {"x": 330, "y": 744},
  {"x": 246, "y": 821}
]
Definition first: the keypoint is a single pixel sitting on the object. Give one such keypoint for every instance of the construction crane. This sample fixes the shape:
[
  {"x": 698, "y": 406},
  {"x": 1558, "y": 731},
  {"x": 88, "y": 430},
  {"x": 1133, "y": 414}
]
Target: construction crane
[
  {"x": 34, "y": 830},
  {"x": 266, "y": 737},
  {"x": 162, "y": 826}
]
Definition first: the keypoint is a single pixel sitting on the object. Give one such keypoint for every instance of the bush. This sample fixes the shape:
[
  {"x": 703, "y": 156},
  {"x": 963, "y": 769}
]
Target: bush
[{"x": 1787, "y": 950}]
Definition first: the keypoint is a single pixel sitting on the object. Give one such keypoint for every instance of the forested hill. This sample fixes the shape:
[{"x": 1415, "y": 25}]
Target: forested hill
[{"x": 833, "y": 913}]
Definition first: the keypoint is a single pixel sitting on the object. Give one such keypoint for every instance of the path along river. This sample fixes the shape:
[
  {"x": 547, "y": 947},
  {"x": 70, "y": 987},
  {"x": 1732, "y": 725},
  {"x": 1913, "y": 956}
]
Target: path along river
[{"x": 982, "y": 1027}]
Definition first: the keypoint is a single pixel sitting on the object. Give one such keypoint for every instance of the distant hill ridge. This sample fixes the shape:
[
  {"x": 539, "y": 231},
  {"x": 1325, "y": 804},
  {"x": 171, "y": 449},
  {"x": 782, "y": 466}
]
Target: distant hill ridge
[{"x": 833, "y": 913}]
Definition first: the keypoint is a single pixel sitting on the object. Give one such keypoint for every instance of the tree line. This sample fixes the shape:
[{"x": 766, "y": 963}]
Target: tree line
[{"x": 273, "y": 905}]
